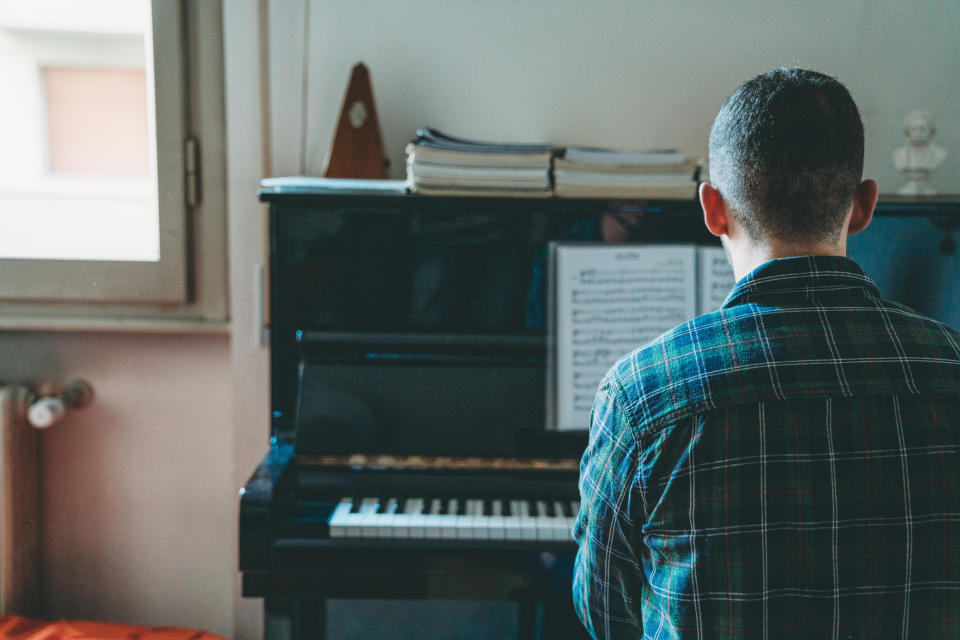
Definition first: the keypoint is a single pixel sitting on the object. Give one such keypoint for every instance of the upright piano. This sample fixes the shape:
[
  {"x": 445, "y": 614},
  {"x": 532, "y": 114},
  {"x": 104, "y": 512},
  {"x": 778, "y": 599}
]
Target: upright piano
[{"x": 409, "y": 456}]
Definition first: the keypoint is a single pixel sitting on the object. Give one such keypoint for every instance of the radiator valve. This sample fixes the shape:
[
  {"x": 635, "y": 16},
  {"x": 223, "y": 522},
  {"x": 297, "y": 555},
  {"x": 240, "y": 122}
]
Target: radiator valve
[{"x": 47, "y": 410}]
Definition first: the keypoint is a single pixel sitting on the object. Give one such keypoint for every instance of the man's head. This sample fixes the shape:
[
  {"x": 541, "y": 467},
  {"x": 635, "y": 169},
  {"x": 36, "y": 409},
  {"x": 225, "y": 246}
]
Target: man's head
[{"x": 786, "y": 154}]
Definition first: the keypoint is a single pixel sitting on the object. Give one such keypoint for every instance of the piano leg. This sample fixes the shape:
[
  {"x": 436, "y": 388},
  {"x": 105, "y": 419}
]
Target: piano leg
[
  {"x": 276, "y": 618},
  {"x": 529, "y": 621},
  {"x": 294, "y": 619},
  {"x": 309, "y": 619}
]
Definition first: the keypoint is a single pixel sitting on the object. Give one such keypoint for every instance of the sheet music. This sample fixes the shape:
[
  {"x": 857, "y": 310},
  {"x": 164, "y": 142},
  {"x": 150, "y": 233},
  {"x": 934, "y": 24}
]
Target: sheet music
[
  {"x": 716, "y": 279},
  {"x": 609, "y": 301}
]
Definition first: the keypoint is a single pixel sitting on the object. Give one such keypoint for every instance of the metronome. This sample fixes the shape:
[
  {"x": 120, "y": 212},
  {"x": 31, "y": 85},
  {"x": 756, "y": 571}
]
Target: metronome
[{"x": 357, "y": 148}]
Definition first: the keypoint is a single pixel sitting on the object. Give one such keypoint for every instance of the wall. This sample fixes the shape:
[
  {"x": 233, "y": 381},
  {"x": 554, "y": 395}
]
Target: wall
[
  {"x": 617, "y": 73},
  {"x": 138, "y": 502},
  {"x": 248, "y": 162}
]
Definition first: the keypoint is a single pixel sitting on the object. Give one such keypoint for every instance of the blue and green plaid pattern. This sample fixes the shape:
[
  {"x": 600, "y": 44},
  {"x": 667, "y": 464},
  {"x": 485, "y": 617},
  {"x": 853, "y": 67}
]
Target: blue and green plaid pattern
[{"x": 788, "y": 466}]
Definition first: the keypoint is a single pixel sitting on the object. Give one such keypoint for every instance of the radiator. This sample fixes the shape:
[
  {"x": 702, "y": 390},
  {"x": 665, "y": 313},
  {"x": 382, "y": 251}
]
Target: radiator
[
  {"x": 23, "y": 411},
  {"x": 19, "y": 505}
]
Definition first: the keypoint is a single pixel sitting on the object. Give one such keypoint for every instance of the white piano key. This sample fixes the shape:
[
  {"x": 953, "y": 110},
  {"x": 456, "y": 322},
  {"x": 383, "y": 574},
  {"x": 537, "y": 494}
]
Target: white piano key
[
  {"x": 413, "y": 518},
  {"x": 528, "y": 525},
  {"x": 464, "y": 521},
  {"x": 397, "y": 523},
  {"x": 367, "y": 518},
  {"x": 478, "y": 522},
  {"x": 449, "y": 523},
  {"x": 421, "y": 518},
  {"x": 401, "y": 519},
  {"x": 511, "y": 527},
  {"x": 483, "y": 522},
  {"x": 385, "y": 526},
  {"x": 495, "y": 521},
  {"x": 542, "y": 521},
  {"x": 550, "y": 526},
  {"x": 432, "y": 520},
  {"x": 339, "y": 519},
  {"x": 351, "y": 519},
  {"x": 566, "y": 520}
]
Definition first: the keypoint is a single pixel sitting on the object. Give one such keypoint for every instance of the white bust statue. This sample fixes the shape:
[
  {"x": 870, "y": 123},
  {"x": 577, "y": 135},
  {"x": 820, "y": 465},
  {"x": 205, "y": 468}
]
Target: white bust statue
[{"x": 920, "y": 156}]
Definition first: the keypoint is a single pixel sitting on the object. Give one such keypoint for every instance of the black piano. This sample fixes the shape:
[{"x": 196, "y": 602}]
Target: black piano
[{"x": 409, "y": 457}]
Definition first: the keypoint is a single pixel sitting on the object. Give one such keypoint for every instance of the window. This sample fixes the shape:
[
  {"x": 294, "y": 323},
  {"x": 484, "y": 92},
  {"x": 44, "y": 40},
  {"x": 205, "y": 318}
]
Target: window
[{"x": 100, "y": 166}]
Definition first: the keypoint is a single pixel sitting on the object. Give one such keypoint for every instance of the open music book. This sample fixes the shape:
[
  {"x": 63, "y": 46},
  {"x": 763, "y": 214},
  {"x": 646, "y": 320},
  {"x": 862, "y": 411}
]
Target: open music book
[{"x": 607, "y": 300}]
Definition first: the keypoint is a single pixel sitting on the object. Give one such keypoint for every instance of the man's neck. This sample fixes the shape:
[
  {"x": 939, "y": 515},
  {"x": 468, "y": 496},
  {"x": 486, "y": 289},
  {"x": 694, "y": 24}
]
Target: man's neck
[{"x": 747, "y": 256}]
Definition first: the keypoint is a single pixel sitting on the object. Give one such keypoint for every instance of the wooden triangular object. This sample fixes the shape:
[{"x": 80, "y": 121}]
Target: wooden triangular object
[{"x": 357, "y": 148}]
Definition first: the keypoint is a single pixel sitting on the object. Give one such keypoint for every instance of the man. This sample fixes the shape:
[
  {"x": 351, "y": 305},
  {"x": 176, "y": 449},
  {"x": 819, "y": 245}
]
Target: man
[{"x": 789, "y": 465}]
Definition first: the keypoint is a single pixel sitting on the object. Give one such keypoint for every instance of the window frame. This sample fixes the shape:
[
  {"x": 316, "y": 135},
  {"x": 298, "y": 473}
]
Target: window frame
[{"x": 188, "y": 284}]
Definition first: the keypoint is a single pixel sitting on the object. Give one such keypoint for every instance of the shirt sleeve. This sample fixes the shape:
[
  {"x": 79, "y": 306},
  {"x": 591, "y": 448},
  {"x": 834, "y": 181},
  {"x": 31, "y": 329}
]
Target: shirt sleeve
[{"x": 608, "y": 577}]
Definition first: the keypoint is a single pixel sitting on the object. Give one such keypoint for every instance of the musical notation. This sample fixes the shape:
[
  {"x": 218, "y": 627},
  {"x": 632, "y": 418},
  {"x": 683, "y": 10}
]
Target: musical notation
[{"x": 611, "y": 300}]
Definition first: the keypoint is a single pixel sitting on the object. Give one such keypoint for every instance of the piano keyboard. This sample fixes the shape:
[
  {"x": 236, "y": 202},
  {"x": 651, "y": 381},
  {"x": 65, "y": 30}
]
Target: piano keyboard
[{"x": 453, "y": 519}]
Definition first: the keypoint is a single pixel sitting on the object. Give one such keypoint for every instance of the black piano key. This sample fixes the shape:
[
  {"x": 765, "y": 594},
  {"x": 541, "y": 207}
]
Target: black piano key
[
  {"x": 507, "y": 511},
  {"x": 355, "y": 507},
  {"x": 461, "y": 507},
  {"x": 567, "y": 511},
  {"x": 443, "y": 507},
  {"x": 488, "y": 507},
  {"x": 551, "y": 512},
  {"x": 381, "y": 503}
]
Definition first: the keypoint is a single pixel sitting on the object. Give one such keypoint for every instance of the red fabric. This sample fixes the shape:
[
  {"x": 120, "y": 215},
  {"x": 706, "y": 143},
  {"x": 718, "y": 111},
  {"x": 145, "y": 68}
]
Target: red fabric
[{"x": 15, "y": 627}]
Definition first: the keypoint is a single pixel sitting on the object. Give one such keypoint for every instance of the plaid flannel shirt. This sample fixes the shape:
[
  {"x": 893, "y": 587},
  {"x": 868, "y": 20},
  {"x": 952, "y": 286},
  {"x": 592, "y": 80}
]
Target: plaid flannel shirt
[{"x": 784, "y": 467}]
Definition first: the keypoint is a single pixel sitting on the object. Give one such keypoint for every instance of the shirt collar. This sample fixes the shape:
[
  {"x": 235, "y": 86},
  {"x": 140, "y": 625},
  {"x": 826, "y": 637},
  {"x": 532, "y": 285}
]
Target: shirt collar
[{"x": 801, "y": 273}]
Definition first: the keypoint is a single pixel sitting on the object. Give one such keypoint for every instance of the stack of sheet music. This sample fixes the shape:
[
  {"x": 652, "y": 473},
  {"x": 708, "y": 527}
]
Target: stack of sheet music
[
  {"x": 439, "y": 164},
  {"x": 585, "y": 172}
]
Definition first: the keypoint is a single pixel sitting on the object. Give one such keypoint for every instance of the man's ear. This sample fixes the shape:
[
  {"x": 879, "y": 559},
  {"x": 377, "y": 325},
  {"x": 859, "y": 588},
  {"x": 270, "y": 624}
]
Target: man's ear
[
  {"x": 714, "y": 210},
  {"x": 864, "y": 201}
]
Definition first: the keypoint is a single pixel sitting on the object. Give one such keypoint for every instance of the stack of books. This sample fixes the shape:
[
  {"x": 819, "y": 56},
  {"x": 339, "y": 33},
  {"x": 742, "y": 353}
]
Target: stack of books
[
  {"x": 661, "y": 174},
  {"x": 439, "y": 164}
]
